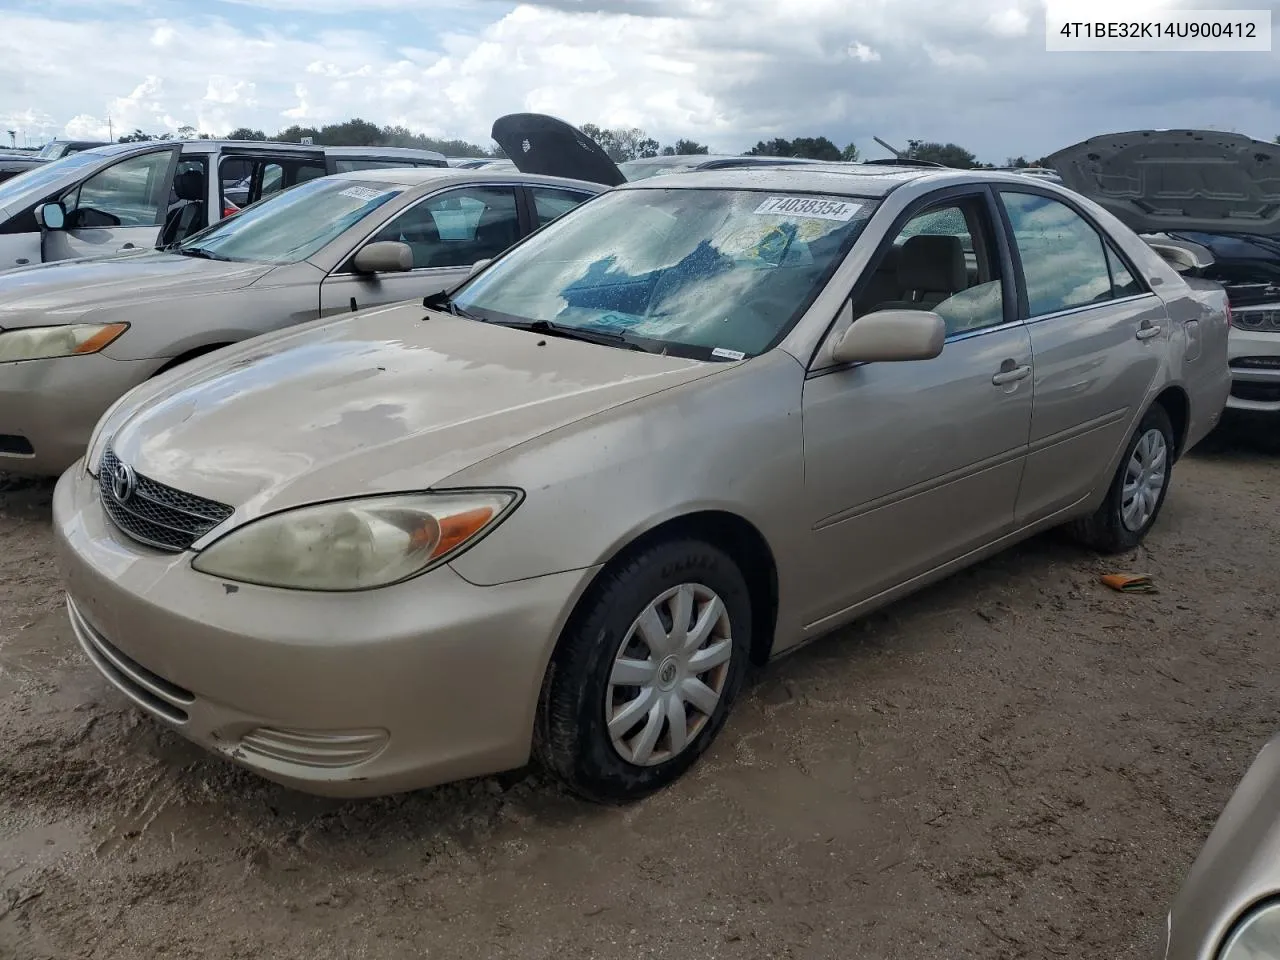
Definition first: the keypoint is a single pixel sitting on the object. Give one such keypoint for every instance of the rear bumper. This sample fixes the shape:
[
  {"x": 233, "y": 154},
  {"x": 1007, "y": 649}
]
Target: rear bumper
[{"x": 48, "y": 408}]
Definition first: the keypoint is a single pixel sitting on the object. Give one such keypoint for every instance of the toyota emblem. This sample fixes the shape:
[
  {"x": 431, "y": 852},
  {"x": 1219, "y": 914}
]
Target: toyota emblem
[{"x": 123, "y": 481}]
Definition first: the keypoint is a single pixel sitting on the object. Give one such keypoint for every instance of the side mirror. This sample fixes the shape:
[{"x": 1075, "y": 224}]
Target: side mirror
[
  {"x": 51, "y": 216},
  {"x": 384, "y": 256},
  {"x": 889, "y": 335},
  {"x": 478, "y": 266}
]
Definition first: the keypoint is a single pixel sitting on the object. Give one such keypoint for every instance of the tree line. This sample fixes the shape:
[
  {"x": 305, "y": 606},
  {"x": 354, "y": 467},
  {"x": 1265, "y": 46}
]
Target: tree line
[{"x": 621, "y": 144}]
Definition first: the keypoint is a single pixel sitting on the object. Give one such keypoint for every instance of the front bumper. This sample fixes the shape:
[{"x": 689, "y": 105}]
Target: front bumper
[
  {"x": 355, "y": 694},
  {"x": 1255, "y": 385},
  {"x": 48, "y": 408}
]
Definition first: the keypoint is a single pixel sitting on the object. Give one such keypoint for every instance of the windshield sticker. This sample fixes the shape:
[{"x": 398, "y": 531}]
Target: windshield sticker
[
  {"x": 810, "y": 207},
  {"x": 363, "y": 193},
  {"x": 728, "y": 354}
]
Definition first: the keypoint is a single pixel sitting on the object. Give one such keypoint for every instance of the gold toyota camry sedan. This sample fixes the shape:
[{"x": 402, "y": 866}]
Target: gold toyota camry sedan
[{"x": 562, "y": 510}]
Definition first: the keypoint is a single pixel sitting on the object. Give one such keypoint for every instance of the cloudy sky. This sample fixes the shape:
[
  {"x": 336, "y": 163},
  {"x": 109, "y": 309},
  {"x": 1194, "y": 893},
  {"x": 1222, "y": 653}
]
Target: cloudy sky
[{"x": 724, "y": 72}]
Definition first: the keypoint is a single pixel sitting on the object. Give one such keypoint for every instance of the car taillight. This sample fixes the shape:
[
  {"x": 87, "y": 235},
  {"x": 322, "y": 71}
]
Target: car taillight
[{"x": 228, "y": 208}]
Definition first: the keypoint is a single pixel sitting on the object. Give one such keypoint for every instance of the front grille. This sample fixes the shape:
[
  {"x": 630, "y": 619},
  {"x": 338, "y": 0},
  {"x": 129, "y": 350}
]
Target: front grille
[
  {"x": 149, "y": 690},
  {"x": 1258, "y": 392},
  {"x": 156, "y": 514}
]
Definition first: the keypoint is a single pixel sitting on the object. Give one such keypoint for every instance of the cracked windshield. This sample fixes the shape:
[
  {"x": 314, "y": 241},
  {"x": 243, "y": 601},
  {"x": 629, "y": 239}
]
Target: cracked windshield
[{"x": 706, "y": 273}]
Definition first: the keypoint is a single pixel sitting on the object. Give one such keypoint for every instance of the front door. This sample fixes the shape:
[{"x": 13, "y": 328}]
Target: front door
[
  {"x": 1098, "y": 335},
  {"x": 910, "y": 465},
  {"x": 448, "y": 232},
  {"x": 117, "y": 210}
]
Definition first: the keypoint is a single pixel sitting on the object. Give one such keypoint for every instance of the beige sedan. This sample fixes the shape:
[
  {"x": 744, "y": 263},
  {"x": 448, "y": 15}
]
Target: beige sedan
[{"x": 695, "y": 422}]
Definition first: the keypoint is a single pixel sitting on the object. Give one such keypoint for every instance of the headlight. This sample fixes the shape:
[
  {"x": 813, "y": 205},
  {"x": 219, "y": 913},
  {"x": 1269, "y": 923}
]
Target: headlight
[
  {"x": 355, "y": 544},
  {"x": 1256, "y": 937},
  {"x": 1260, "y": 321},
  {"x": 68, "y": 340}
]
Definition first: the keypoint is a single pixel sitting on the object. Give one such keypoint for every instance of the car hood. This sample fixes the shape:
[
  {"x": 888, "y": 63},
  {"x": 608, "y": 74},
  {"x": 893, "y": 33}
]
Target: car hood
[
  {"x": 66, "y": 290},
  {"x": 386, "y": 400},
  {"x": 1158, "y": 180},
  {"x": 537, "y": 143}
]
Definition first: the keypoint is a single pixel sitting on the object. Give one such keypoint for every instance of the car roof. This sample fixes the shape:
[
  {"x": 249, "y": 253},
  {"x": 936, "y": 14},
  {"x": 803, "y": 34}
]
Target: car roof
[
  {"x": 440, "y": 176},
  {"x": 815, "y": 177},
  {"x": 413, "y": 153}
]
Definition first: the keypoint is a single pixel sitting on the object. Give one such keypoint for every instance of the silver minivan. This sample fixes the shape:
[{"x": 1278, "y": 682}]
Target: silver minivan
[{"x": 135, "y": 196}]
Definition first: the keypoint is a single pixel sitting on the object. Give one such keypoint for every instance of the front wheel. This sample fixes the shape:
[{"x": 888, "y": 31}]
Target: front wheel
[
  {"x": 646, "y": 673},
  {"x": 1137, "y": 491}
]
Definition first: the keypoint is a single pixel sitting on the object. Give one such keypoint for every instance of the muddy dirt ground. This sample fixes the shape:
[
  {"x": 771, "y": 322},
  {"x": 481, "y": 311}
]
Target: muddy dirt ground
[{"x": 1015, "y": 763}]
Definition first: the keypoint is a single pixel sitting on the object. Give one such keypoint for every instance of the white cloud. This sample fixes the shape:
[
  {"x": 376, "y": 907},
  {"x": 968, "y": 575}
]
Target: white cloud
[
  {"x": 862, "y": 53},
  {"x": 1011, "y": 22},
  {"x": 724, "y": 72}
]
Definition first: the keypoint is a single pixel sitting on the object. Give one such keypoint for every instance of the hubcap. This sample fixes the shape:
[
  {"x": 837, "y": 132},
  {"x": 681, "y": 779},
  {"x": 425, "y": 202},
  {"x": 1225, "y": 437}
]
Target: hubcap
[
  {"x": 1144, "y": 480},
  {"x": 668, "y": 674}
]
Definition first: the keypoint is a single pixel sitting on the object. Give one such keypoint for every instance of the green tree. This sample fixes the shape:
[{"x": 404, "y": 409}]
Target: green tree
[
  {"x": 246, "y": 133},
  {"x": 1016, "y": 162},
  {"x": 622, "y": 144},
  {"x": 814, "y": 148},
  {"x": 850, "y": 153},
  {"x": 685, "y": 148},
  {"x": 138, "y": 136},
  {"x": 947, "y": 154},
  {"x": 777, "y": 147}
]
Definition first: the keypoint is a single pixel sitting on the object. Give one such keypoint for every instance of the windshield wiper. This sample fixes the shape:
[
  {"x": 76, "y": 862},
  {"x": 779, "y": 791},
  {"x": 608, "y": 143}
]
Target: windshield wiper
[
  {"x": 605, "y": 337},
  {"x": 442, "y": 301},
  {"x": 200, "y": 252}
]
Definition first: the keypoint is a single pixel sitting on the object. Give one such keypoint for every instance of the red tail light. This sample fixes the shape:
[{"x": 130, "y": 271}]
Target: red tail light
[{"x": 228, "y": 208}]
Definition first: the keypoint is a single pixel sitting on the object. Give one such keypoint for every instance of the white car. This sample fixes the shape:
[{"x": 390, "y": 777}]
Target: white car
[{"x": 134, "y": 196}]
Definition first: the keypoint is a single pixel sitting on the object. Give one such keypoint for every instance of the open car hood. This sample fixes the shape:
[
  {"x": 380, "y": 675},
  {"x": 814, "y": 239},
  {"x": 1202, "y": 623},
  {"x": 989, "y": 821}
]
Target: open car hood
[
  {"x": 537, "y": 143},
  {"x": 1157, "y": 180}
]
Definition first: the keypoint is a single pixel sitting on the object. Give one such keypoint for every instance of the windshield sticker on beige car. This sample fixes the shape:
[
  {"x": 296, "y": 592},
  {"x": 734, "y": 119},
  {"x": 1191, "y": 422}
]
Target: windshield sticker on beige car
[
  {"x": 809, "y": 208},
  {"x": 363, "y": 193}
]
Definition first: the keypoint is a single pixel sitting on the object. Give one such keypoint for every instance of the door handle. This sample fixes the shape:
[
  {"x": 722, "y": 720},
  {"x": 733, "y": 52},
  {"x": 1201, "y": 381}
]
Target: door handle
[
  {"x": 1011, "y": 375},
  {"x": 1148, "y": 330}
]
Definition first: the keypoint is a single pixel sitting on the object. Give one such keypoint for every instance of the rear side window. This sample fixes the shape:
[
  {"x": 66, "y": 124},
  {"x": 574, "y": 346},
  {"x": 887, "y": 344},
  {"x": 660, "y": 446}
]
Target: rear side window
[
  {"x": 1064, "y": 260},
  {"x": 550, "y": 203},
  {"x": 1123, "y": 283},
  {"x": 350, "y": 164}
]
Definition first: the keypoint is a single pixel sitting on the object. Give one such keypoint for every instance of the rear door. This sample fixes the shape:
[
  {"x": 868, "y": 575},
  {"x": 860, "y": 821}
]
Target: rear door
[
  {"x": 1098, "y": 335},
  {"x": 448, "y": 232},
  {"x": 118, "y": 209}
]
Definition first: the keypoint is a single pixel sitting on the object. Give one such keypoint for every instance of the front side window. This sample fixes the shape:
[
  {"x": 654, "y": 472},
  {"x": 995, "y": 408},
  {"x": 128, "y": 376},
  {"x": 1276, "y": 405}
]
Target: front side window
[
  {"x": 42, "y": 177},
  {"x": 131, "y": 193},
  {"x": 704, "y": 273},
  {"x": 944, "y": 259},
  {"x": 550, "y": 203},
  {"x": 1064, "y": 261},
  {"x": 458, "y": 227},
  {"x": 292, "y": 225}
]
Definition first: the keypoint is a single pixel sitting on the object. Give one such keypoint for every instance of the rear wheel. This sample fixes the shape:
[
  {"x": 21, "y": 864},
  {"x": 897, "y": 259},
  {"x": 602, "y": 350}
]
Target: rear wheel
[
  {"x": 645, "y": 675},
  {"x": 1137, "y": 491}
]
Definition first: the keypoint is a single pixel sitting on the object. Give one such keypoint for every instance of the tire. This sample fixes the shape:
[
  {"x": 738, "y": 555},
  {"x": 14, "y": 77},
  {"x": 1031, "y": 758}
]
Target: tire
[
  {"x": 572, "y": 735},
  {"x": 1108, "y": 530}
]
